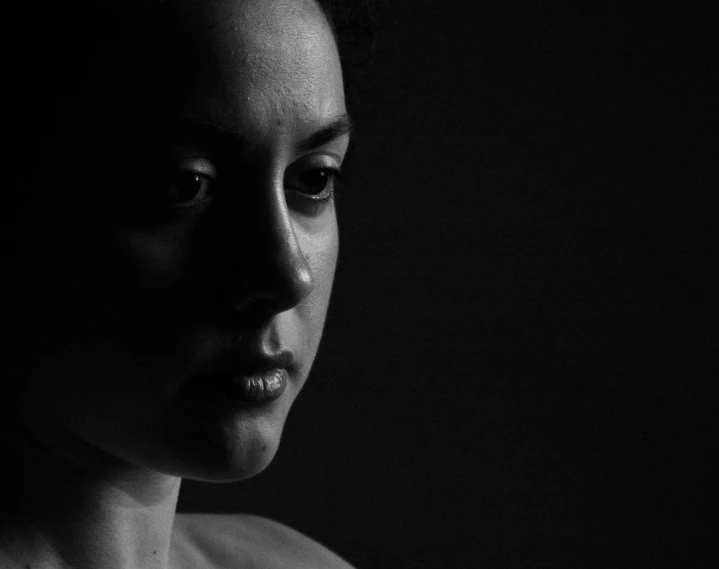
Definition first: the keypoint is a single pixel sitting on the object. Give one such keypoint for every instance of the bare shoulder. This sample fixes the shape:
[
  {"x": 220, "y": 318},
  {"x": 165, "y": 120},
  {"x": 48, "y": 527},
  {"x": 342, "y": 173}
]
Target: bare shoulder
[{"x": 220, "y": 541}]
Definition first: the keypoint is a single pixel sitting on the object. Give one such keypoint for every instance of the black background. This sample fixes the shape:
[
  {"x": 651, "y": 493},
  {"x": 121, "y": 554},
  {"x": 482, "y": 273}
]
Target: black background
[{"x": 517, "y": 367}]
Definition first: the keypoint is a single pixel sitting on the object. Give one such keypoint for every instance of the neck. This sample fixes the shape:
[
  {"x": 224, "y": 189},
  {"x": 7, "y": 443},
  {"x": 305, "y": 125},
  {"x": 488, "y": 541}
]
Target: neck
[{"x": 79, "y": 508}]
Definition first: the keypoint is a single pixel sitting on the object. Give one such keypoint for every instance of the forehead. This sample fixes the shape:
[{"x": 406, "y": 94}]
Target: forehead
[
  {"x": 262, "y": 65},
  {"x": 254, "y": 67}
]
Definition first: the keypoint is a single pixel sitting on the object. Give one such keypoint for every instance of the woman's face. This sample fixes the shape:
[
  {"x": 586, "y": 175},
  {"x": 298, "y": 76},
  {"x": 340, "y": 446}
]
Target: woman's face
[{"x": 185, "y": 243}]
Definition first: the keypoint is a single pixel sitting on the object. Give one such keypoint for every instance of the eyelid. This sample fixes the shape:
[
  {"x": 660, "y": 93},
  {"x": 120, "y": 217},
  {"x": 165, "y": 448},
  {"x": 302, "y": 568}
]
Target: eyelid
[
  {"x": 200, "y": 166},
  {"x": 318, "y": 159},
  {"x": 190, "y": 158}
]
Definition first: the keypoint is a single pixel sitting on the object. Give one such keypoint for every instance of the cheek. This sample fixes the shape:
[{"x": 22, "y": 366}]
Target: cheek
[
  {"x": 323, "y": 262},
  {"x": 154, "y": 260},
  {"x": 113, "y": 298},
  {"x": 321, "y": 251}
]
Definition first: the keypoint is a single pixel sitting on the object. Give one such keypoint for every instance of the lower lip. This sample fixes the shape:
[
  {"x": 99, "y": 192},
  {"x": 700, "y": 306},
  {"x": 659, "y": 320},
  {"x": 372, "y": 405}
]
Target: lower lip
[{"x": 254, "y": 389}]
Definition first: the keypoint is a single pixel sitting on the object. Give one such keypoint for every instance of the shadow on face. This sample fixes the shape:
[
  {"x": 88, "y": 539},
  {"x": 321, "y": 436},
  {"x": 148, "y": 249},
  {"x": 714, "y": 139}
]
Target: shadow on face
[{"x": 179, "y": 217}]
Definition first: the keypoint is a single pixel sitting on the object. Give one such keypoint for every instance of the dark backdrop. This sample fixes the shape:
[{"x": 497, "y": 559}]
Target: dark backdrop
[{"x": 517, "y": 367}]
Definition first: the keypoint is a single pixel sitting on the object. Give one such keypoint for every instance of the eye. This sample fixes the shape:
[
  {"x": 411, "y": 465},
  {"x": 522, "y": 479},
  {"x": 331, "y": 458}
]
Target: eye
[
  {"x": 187, "y": 189},
  {"x": 316, "y": 183}
]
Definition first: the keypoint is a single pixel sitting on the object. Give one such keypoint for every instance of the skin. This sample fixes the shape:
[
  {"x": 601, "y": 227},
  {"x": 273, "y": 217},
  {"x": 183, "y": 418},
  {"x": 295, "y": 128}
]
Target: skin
[{"x": 146, "y": 277}]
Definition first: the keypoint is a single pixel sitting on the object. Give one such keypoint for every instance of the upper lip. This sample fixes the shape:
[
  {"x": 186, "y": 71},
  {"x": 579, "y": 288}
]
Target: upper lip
[{"x": 254, "y": 362}]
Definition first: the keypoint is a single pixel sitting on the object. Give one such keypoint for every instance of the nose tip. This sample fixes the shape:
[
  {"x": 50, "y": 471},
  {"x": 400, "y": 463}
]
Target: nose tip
[{"x": 282, "y": 279}]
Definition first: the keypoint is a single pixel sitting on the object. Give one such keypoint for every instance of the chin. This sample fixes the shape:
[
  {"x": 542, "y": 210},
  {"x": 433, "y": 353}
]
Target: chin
[
  {"x": 240, "y": 465},
  {"x": 228, "y": 451}
]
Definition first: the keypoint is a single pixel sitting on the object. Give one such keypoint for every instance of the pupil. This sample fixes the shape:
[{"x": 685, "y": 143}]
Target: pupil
[
  {"x": 315, "y": 180},
  {"x": 187, "y": 187}
]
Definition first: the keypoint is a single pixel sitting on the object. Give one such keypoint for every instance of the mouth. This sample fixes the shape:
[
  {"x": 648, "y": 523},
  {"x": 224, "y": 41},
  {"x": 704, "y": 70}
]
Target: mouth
[
  {"x": 247, "y": 382},
  {"x": 250, "y": 389}
]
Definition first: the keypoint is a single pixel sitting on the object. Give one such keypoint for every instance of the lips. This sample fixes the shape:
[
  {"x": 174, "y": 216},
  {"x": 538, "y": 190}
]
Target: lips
[
  {"x": 244, "y": 379},
  {"x": 260, "y": 388}
]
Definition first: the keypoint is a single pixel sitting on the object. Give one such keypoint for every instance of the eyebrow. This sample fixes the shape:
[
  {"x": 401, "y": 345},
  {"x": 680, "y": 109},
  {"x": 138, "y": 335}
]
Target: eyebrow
[
  {"x": 189, "y": 126},
  {"x": 339, "y": 127}
]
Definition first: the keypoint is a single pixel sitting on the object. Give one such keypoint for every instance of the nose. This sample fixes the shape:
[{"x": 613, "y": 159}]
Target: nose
[
  {"x": 266, "y": 271},
  {"x": 283, "y": 277}
]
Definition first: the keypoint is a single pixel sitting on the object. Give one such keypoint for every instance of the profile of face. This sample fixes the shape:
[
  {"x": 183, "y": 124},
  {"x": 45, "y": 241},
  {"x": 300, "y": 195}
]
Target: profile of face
[{"x": 180, "y": 258}]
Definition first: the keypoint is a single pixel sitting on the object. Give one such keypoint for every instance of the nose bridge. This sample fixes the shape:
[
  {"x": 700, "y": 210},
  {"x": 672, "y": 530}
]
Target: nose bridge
[{"x": 280, "y": 273}]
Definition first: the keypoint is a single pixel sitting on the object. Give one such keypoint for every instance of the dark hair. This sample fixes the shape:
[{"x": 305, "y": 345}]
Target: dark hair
[{"x": 355, "y": 25}]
